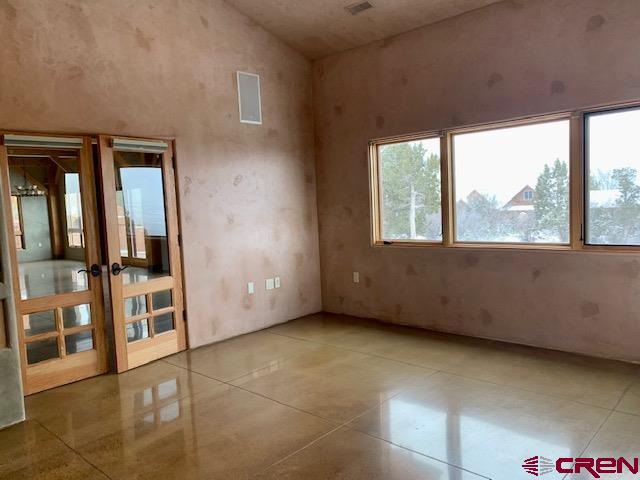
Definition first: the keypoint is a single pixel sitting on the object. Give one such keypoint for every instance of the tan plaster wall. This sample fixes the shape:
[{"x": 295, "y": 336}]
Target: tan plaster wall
[
  {"x": 510, "y": 59},
  {"x": 167, "y": 67}
]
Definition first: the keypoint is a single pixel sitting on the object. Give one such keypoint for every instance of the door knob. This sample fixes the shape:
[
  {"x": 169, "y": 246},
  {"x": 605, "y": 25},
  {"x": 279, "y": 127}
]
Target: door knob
[
  {"x": 116, "y": 268},
  {"x": 94, "y": 270}
]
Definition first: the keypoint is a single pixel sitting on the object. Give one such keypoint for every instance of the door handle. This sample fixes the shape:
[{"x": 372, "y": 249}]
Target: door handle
[
  {"x": 116, "y": 268},
  {"x": 94, "y": 270}
]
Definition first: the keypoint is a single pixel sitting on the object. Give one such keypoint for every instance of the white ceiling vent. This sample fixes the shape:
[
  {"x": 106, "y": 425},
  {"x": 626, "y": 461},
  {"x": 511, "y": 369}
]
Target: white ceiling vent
[
  {"x": 356, "y": 8},
  {"x": 249, "y": 98}
]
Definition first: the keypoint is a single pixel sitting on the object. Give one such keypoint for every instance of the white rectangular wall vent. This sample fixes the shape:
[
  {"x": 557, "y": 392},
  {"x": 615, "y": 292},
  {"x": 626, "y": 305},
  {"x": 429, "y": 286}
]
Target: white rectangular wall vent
[{"x": 249, "y": 102}]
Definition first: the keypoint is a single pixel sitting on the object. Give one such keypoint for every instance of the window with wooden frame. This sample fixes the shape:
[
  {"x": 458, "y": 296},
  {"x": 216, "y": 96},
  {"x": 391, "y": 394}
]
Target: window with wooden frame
[
  {"x": 148, "y": 315},
  {"x": 612, "y": 186},
  {"x": 58, "y": 332},
  {"x": 18, "y": 228},
  {"x": 547, "y": 182},
  {"x": 495, "y": 174},
  {"x": 410, "y": 198}
]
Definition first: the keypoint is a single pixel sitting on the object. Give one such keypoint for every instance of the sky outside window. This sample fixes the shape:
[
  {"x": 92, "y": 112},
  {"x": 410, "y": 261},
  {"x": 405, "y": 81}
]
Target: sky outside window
[{"x": 494, "y": 170}]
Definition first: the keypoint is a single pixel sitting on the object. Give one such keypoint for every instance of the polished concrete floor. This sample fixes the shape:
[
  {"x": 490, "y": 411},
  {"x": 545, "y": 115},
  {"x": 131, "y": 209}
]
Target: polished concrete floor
[{"x": 331, "y": 396}]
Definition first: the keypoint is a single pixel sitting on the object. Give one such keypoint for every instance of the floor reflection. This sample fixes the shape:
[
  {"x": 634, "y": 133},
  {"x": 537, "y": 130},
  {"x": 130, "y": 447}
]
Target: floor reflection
[
  {"x": 165, "y": 407},
  {"x": 164, "y": 420},
  {"x": 486, "y": 429},
  {"x": 161, "y": 421}
]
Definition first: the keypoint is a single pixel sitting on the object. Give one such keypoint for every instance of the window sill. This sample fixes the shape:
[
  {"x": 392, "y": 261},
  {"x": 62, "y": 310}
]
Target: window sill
[{"x": 508, "y": 246}]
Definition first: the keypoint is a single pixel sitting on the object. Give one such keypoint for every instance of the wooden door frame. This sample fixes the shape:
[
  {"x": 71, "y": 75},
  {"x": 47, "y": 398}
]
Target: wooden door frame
[
  {"x": 92, "y": 255},
  {"x": 172, "y": 220},
  {"x": 9, "y": 343}
]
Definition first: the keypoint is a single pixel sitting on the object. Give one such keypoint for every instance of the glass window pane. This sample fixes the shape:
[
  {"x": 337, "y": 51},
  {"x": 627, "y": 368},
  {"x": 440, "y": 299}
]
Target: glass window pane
[
  {"x": 512, "y": 184},
  {"x": 410, "y": 190},
  {"x": 78, "y": 342},
  {"x": 613, "y": 163},
  {"x": 141, "y": 216},
  {"x": 15, "y": 211},
  {"x": 16, "y": 214},
  {"x": 161, "y": 299},
  {"x": 48, "y": 211},
  {"x": 135, "y": 306},
  {"x": 76, "y": 316},
  {"x": 42, "y": 350},
  {"x": 137, "y": 330},
  {"x": 40, "y": 322},
  {"x": 73, "y": 209},
  {"x": 163, "y": 323}
]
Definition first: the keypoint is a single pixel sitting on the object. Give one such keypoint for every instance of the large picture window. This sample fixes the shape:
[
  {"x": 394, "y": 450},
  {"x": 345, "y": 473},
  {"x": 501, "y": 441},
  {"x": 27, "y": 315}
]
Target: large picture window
[
  {"x": 411, "y": 205},
  {"x": 512, "y": 184},
  {"x": 612, "y": 148},
  {"x": 563, "y": 181}
]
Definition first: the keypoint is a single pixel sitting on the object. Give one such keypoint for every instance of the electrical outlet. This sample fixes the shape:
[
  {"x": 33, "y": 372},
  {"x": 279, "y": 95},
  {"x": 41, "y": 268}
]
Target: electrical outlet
[
  {"x": 356, "y": 277},
  {"x": 251, "y": 288},
  {"x": 268, "y": 284},
  {"x": 276, "y": 282}
]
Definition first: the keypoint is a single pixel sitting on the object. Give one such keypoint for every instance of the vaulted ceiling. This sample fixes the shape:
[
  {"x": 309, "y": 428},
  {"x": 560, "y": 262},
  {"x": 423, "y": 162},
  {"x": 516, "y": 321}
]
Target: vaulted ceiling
[{"x": 321, "y": 27}]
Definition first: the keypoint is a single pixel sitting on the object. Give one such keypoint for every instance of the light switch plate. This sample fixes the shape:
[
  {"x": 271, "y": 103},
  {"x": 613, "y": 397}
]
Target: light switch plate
[
  {"x": 276, "y": 282},
  {"x": 356, "y": 277},
  {"x": 251, "y": 288},
  {"x": 268, "y": 284}
]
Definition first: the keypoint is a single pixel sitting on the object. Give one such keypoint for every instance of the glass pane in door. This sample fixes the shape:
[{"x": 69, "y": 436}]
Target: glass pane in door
[
  {"x": 78, "y": 342},
  {"x": 76, "y": 316},
  {"x": 48, "y": 224},
  {"x": 39, "y": 322},
  {"x": 163, "y": 323},
  {"x": 161, "y": 299},
  {"x": 142, "y": 224},
  {"x": 137, "y": 330},
  {"x": 134, "y": 306},
  {"x": 42, "y": 350}
]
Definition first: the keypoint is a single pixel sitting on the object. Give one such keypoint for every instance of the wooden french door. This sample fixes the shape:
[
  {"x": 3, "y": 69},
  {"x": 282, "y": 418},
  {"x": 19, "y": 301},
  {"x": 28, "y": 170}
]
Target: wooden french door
[
  {"x": 49, "y": 187},
  {"x": 144, "y": 261}
]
